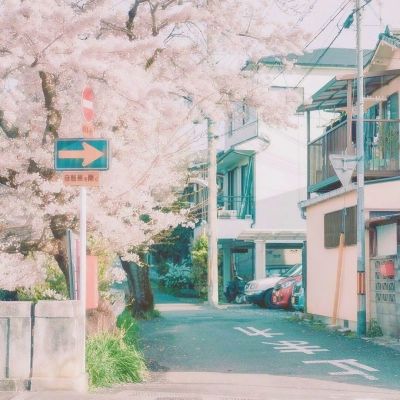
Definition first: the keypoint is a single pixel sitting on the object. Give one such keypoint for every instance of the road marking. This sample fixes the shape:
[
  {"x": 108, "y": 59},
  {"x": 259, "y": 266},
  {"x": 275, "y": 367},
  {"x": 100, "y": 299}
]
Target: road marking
[
  {"x": 250, "y": 331},
  {"x": 349, "y": 367},
  {"x": 295, "y": 346}
]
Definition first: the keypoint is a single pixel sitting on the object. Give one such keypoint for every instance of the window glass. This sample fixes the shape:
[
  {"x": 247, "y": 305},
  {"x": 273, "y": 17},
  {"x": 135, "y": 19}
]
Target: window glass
[{"x": 334, "y": 223}]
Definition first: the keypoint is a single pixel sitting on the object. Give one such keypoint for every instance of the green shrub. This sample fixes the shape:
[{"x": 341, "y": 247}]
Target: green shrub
[
  {"x": 374, "y": 329},
  {"x": 179, "y": 276},
  {"x": 199, "y": 262},
  {"x": 111, "y": 360},
  {"x": 127, "y": 324}
]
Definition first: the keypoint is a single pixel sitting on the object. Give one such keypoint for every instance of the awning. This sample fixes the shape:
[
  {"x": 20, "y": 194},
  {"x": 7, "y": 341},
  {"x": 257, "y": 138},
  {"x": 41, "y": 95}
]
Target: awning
[
  {"x": 384, "y": 220},
  {"x": 231, "y": 158},
  {"x": 334, "y": 94}
]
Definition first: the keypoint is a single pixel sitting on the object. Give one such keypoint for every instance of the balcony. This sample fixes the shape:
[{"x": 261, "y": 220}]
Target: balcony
[
  {"x": 382, "y": 153},
  {"x": 240, "y": 207},
  {"x": 249, "y": 136}
]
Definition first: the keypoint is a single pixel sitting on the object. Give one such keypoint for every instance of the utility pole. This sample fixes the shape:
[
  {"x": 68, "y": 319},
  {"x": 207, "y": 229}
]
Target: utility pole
[
  {"x": 212, "y": 218},
  {"x": 361, "y": 300}
]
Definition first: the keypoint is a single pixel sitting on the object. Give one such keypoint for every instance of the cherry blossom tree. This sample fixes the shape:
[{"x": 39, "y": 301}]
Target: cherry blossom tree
[{"x": 155, "y": 67}]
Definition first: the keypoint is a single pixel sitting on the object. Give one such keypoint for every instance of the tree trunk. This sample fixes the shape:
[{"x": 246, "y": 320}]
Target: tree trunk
[
  {"x": 140, "y": 293},
  {"x": 62, "y": 259}
]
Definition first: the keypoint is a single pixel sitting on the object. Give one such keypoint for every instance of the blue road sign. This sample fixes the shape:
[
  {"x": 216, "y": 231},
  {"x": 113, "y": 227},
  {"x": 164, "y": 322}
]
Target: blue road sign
[{"x": 81, "y": 154}]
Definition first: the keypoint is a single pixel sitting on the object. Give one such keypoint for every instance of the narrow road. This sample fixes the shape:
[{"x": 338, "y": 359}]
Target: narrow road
[{"x": 250, "y": 352}]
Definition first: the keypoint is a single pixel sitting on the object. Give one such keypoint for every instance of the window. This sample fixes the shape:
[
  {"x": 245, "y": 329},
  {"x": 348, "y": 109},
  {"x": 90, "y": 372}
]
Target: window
[{"x": 334, "y": 223}]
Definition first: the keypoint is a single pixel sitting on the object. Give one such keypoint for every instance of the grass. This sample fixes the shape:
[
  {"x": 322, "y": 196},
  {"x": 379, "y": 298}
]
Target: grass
[{"x": 113, "y": 358}]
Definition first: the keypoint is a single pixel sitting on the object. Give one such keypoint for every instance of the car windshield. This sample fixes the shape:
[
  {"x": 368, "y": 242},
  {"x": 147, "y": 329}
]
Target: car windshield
[{"x": 295, "y": 270}]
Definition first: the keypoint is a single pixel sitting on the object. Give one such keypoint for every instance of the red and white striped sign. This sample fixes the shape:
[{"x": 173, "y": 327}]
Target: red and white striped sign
[{"x": 87, "y": 104}]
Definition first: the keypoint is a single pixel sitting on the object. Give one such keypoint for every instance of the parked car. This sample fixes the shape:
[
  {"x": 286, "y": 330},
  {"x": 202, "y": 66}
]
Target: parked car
[
  {"x": 298, "y": 296},
  {"x": 259, "y": 291},
  {"x": 283, "y": 289}
]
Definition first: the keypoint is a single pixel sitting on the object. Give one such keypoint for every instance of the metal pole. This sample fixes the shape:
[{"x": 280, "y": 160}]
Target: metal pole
[
  {"x": 308, "y": 153},
  {"x": 212, "y": 218},
  {"x": 82, "y": 269},
  {"x": 361, "y": 303}
]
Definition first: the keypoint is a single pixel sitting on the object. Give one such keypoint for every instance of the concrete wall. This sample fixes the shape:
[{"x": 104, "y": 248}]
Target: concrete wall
[
  {"x": 58, "y": 346},
  {"x": 42, "y": 346},
  {"x": 15, "y": 344},
  {"x": 322, "y": 262}
]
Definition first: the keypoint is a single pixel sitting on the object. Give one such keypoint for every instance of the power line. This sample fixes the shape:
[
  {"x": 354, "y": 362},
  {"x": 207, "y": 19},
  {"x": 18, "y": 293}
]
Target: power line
[
  {"x": 325, "y": 26},
  {"x": 341, "y": 8},
  {"x": 319, "y": 58},
  {"x": 346, "y": 25}
]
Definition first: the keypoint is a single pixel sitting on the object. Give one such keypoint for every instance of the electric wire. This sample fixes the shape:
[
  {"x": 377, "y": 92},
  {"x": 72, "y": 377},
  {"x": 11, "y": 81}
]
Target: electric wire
[
  {"x": 330, "y": 45},
  {"x": 325, "y": 26}
]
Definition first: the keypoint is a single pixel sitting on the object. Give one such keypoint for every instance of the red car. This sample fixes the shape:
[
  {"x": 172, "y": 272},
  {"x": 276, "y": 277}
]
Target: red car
[{"x": 283, "y": 290}]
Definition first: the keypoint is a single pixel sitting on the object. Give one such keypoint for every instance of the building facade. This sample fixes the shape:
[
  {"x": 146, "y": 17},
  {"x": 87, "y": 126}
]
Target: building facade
[
  {"x": 262, "y": 173},
  {"x": 330, "y": 209}
]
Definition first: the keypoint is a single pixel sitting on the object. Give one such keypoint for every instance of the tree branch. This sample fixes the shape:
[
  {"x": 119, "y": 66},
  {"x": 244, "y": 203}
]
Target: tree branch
[
  {"x": 53, "y": 115},
  {"x": 11, "y": 131},
  {"x": 153, "y": 10},
  {"x": 167, "y": 3},
  {"x": 131, "y": 17}
]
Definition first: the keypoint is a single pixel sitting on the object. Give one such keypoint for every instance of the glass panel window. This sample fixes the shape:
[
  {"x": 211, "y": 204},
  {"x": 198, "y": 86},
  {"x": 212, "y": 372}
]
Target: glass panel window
[{"x": 334, "y": 223}]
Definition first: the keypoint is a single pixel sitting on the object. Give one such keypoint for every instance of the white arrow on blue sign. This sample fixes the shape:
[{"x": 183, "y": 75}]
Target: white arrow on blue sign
[{"x": 81, "y": 154}]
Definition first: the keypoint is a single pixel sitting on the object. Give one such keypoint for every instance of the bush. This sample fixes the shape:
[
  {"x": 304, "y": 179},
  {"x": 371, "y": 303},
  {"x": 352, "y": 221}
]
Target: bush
[
  {"x": 179, "y": 276},
  {"x": 129, "y": 326},
  {"x": 200, "y": 265},
  {"x": 113, "y": 358},
  {"x": 374, "y": 329},
  {"x": 53, "y": 288}
]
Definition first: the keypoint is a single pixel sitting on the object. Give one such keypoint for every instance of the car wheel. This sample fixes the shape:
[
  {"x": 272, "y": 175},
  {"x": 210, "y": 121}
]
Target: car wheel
[{"x": 267, "y": 301}]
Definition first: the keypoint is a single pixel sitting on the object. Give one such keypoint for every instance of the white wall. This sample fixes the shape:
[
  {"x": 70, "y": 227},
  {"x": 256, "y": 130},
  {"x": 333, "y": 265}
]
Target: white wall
[{"x": 387, "y": 240}]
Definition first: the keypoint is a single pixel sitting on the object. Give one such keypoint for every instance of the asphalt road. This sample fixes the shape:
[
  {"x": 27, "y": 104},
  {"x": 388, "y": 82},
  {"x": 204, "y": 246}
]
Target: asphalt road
[
  {"x": 245, "y": 353},
  {"x": 244, "y": 342}
]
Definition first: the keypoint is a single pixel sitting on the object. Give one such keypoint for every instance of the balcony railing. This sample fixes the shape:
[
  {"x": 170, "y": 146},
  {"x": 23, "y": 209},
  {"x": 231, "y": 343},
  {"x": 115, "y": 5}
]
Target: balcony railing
[
  {"x": 235, "y": 207},
  {"x": 249, "y": 130},
  {"x": 381, "y": 146}
]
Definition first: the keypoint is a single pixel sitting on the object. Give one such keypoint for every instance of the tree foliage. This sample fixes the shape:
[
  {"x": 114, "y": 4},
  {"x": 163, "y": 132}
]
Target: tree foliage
[
  {"x": 154, "y": 66},
  {"x": 199, "y": 262}
]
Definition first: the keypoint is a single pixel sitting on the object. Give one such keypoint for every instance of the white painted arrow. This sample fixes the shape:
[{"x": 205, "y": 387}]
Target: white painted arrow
[{"x": 89, "y": 154}]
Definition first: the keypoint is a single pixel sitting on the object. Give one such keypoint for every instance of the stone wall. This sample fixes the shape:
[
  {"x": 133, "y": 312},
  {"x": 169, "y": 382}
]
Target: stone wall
[{"x": 42, "y": 346}]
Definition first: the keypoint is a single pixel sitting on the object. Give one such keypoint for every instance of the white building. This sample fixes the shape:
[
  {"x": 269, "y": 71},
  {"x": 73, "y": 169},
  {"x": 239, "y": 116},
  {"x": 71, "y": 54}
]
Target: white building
[{"x": 262, "y": 173}]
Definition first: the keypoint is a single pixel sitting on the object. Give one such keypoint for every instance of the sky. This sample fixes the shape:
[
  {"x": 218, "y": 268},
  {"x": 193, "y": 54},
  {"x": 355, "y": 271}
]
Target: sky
[{"x": 377, "y": 14}]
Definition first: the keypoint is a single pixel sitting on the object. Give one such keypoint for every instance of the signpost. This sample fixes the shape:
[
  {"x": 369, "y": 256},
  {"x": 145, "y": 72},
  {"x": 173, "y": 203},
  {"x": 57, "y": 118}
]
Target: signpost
[
  {"x": 81, "y": 159},
  {"x": 344, "y": 166}
]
